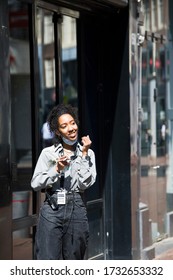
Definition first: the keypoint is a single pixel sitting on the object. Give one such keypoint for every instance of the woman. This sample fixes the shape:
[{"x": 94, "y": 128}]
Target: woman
[{"x": 65, "y": 170}]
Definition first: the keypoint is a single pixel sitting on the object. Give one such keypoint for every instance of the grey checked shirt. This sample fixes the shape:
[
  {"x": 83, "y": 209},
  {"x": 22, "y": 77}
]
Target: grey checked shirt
[{"x": 78, "y": 176}]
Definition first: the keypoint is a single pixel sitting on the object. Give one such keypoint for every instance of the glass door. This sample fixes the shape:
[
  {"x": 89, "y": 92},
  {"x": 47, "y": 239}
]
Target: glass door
[
  {"x": 57, "y": 60},
  {"x": 57, "y": 66},
  {"x": 21, "y": 134}
]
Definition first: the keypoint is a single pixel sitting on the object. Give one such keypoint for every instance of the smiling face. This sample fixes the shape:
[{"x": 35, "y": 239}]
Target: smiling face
[{"x": 67, "y": 127}]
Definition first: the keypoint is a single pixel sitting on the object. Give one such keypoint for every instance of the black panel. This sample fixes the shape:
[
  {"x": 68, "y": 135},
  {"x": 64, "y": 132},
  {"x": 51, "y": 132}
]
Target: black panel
[
  {"x": 4, "y": 105},
  {"x": 105, "y": 117},
  {"x": 5, "y": 194}
]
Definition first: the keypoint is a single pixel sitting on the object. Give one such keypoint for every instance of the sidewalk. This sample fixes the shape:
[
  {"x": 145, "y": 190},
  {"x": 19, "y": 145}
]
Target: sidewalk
[
  {"x": 23, "y": 249},
  {"x": 164, "y": 249}
]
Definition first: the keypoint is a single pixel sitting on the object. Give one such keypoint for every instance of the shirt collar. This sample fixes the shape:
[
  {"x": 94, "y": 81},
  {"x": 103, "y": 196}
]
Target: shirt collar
[{"x": 59, "y": 149}]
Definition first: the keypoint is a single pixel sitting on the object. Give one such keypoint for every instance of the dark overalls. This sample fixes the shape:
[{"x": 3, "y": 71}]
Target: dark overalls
[{"x": 62, "y": 233}]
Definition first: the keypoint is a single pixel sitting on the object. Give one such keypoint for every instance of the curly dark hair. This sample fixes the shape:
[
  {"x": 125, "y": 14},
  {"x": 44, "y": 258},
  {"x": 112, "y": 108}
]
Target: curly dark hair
[{"x": 58, "y": 111}]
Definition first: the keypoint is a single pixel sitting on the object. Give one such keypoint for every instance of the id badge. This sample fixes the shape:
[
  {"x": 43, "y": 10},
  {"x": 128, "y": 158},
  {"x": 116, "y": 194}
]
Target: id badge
[{"x": 61, "y": 197}]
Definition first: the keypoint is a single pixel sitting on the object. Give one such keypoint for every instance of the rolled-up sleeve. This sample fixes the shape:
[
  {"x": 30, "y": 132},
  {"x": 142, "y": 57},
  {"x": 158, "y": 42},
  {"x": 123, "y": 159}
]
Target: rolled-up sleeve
[
  {"x": 44, "y": 174},
  {"x": 87, "y": 171}
]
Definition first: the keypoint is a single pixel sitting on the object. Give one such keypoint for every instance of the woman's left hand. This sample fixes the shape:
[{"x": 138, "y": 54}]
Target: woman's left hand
[{"x": 86, "y": 142}]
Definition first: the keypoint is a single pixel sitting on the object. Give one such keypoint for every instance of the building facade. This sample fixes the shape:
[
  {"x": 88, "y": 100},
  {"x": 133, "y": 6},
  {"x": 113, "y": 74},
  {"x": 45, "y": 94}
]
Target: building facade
[{"x": 151, "y": 149}]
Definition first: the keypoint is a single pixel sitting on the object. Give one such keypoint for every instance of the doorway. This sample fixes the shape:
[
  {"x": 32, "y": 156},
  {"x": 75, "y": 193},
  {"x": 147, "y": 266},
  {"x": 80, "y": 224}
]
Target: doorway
[
  {"x": 74, "y": 58},
  {"x": 60, "y": 79}
]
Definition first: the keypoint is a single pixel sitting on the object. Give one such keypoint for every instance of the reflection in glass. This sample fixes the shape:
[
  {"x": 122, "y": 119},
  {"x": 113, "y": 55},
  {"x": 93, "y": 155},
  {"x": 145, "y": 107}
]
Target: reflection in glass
[
  {"x": 67, "y": 59},
  {"x": 95, "y": 225},
  {"x": 156, "y": 150},
  {"x": 46, "y": 60},
  {"x": 22, "y": 246},
  {"x": 21, "y": 154}
]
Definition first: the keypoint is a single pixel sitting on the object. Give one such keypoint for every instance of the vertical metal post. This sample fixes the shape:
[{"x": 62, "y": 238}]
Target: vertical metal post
[
  {"x": 139, "y": 151},
  {"x": 140, "y": 40},
  {"x": 57, "y": 20}
]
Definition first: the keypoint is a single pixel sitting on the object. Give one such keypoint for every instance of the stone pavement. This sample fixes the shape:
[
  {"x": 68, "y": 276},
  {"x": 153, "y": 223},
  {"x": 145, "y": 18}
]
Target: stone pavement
[
  {"x": 23, "y": 249},
  {"x": 168, "y": 255},
  {"x": 164, "y": 249}
]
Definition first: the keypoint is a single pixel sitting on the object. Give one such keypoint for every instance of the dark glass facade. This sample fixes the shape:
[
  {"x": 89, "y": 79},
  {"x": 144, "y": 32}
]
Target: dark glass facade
[{"x": 152, "y": 135}]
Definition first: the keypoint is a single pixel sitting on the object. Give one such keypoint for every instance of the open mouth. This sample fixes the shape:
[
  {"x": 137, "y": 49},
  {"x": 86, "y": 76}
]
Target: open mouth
[{"x": 73, "y": 135}]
